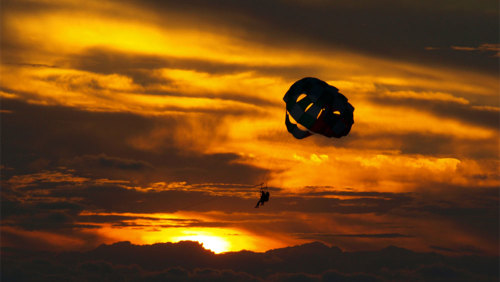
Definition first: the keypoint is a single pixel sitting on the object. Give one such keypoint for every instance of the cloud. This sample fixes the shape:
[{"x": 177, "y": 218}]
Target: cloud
[
  {"x": 19, "y": 181},
  {"x": 461, "y": 110},
  {"x": 375, "y": 235},
  {"x": 76, "y": 206},
  {"x": 462, "y": 249},
  {"x": 113, "y": 162},
  {"x": 188, "y": 261},
  {"x": 417, "y": 143},
  {"x": 491, "y": 48},
  {"x": 108, "y": 145},
  {"x": 364, "y": 27},
  {"x": 178, "y": 116},
  {"x": 354, "y": 26},
  {"x": 141, "y": 67}
]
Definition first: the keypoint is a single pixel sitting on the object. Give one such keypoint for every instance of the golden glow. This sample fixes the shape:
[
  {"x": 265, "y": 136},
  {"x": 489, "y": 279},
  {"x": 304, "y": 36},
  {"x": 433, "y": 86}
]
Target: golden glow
[
  {"x": 210, "y": 242},
  {"x": 176, "y": 227},
  {"x": 80, "y": 31}
]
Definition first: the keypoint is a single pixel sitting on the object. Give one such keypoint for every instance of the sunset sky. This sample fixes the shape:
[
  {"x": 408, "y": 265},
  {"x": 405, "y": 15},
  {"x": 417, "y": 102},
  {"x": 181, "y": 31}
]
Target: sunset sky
[{"x": 155, "y": 121}]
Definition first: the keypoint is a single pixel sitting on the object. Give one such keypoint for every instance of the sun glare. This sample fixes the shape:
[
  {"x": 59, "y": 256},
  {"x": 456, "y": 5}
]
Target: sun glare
[{"x": 213, "y": 243}]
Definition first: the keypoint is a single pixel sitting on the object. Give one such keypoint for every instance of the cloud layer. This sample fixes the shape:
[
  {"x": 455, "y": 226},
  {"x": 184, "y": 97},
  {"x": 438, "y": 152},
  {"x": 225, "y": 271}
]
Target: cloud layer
[
  {"x": 188, "y": 261},
  {"x": 155, "y": 121}
]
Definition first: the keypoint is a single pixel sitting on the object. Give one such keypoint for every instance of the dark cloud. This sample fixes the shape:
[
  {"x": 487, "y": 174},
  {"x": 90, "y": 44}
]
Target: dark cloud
[
  {"x": 118, "y": 219},
  {"x": 113, "y": 162},
  {"x": 423, "y": 31},
  {"x": 317, "y": 236},
  {"x": 106, "y": 218},
  {"x": 394, "y": 29},
  {"x": 185, "y": 223},
  {"x": 137, "y": 66},
  {"x": 411, "y": 143},
  {"x": 460, "y": 250},
  {"x": 188, "y": 261},
  {"x": 59, "y": 161},
  {"x": 294, "y": 277},
  {"x": 57, "y": 206},
  {"x": 333, "y": 192},
  {"x": 74, "y": 83},
  {"x": 99, "y": 144},
  {"x": 142, "y": 69},
  {"x": 36, "y": 65},
  {"x": 466, "y": 113},
  {"x": 95, "y": 197}
]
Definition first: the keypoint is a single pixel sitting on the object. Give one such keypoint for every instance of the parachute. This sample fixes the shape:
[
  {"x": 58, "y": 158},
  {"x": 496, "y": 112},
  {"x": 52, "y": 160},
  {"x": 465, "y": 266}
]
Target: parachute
[{"x": 319, "y": 107}]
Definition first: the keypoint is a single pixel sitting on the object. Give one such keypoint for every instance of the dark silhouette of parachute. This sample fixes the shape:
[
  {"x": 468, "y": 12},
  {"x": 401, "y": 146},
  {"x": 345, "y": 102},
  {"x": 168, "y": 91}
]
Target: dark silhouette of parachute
[{"x": 319, "y": 107}]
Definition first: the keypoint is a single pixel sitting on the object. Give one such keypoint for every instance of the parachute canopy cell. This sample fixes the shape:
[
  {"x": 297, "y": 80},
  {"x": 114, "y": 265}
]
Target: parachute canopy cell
[{"x": 319, "y": 108}]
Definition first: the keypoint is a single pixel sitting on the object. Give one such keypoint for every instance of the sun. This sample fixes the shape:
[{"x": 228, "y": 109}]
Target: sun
[{"x": 214, "y": 243}]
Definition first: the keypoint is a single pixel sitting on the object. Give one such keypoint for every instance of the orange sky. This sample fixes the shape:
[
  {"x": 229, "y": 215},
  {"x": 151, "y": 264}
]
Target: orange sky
[{"x": 163, "y": 118}]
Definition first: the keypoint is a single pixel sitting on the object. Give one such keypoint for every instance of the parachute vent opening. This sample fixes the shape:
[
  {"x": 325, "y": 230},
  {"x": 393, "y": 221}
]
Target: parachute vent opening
[
  {"x": 307, "y": 108},
  {"x": 320, "y": 112},
  {"x": 301, "y": 96},
  {"x": 300, "y": 126},
  {"x": 336, "y": 113}
]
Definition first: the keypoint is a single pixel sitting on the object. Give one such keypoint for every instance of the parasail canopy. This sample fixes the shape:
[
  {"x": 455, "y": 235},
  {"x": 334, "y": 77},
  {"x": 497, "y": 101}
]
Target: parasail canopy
[{"x": 319, "y": 108}]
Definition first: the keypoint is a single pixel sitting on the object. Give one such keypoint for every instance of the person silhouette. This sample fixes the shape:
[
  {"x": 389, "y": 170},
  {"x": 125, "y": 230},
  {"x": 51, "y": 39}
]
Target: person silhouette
[{"x": 264, "y": 197}]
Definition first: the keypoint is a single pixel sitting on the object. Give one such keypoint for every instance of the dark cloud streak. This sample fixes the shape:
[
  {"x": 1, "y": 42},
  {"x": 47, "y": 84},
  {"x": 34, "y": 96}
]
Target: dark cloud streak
[
  {"x": 44, "y": 137},
  {"x": 391, "y": 29},
  {"x": 466, "y": 113},
  {"x": 319, "y": 236},
  {"x": 411, "y": 143}
]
